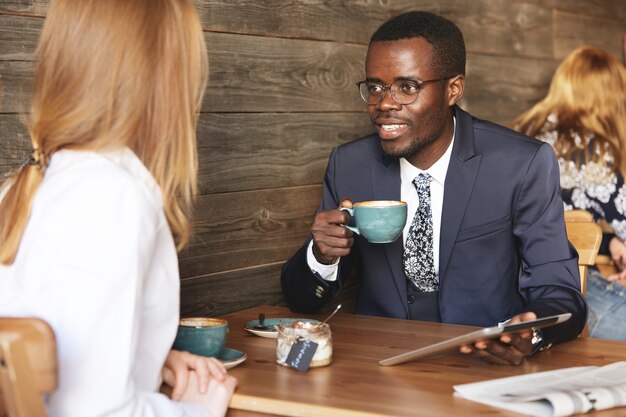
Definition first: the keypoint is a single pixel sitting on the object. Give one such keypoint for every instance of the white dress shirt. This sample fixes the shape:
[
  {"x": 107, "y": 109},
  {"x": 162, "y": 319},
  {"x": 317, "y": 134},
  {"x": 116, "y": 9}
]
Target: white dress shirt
[
  {"x": 408, "y": 193},
  {"x": 97, "y": 261}
]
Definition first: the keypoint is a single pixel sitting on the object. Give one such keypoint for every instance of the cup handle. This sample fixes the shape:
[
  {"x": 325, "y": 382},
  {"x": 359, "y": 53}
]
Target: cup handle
[{"x": 351, "y": 213}]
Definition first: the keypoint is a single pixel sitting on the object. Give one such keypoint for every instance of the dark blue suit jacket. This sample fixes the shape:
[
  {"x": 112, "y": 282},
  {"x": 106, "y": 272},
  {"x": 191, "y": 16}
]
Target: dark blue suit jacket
[{"x": 503, "y": 247}]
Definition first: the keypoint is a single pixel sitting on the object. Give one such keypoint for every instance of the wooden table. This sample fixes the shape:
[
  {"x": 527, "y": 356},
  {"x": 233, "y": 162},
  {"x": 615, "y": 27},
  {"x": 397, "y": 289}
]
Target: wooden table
[{"x": 355, "y": 385}]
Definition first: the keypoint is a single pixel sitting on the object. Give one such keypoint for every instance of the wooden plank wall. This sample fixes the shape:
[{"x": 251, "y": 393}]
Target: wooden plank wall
[{"x": 282, "y": 94}]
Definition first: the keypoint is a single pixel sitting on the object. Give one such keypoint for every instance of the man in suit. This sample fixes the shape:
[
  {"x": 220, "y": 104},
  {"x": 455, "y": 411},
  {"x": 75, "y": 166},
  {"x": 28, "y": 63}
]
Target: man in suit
[{"x": 485, "y": 199}]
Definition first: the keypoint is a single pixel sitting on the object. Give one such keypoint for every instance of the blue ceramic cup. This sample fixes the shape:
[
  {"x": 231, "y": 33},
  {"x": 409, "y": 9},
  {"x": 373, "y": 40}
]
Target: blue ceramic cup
[
  {"x": 378, "y": 221},
  {"x": 202, "y": 336}
]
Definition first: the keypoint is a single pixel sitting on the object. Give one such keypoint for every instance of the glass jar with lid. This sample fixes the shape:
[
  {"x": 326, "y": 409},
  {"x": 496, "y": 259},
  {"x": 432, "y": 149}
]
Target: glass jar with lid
[{"x": 290, "y": 333}]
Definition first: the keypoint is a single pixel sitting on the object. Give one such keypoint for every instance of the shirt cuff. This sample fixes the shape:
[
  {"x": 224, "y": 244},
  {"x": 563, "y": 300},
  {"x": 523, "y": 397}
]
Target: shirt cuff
[{"x": 326, "y": 272}]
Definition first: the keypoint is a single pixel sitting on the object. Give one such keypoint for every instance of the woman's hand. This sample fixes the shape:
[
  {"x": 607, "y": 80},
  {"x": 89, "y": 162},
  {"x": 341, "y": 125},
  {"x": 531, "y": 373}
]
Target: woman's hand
[
  {"x": 217, "y": 396},
  {"x": 177, "y": 369},
  {"x": 617, "y": 248}
]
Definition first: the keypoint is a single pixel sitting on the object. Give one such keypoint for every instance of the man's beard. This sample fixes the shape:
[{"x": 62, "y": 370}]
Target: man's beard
[{"x": 415, "y": 146}]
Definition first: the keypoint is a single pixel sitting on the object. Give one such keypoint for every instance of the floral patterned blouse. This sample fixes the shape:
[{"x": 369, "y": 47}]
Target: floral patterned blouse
[{"x": 581, "y": 187}]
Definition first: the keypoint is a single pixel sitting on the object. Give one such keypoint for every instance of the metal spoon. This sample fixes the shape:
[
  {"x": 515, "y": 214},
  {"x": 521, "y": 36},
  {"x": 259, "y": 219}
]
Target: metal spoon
[{"x": 331, "y": 314}]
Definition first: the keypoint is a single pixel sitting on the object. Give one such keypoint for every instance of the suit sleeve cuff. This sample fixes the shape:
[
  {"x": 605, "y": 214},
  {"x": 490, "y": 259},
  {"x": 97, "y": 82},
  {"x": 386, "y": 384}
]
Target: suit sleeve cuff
[{"x": 326, "y": 272}]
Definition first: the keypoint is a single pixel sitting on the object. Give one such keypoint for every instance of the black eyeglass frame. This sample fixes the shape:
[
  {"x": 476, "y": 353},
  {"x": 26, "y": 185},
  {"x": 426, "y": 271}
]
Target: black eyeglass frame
[{"x": 420, "y": 85}]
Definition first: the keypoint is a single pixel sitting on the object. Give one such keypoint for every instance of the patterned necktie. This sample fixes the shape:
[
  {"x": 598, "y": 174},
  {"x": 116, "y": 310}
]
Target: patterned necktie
[{"x": 418, "y": 259}]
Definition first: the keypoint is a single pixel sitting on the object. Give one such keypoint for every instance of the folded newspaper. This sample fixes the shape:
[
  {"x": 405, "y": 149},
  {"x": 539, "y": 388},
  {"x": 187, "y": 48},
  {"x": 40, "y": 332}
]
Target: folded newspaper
[{"x": 563, "y": 392}]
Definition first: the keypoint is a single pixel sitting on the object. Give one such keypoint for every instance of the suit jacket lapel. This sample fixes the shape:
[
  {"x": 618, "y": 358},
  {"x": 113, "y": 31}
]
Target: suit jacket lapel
[
  {"x": 386, "y": 184},
  {"x": 460, "y": 178}
]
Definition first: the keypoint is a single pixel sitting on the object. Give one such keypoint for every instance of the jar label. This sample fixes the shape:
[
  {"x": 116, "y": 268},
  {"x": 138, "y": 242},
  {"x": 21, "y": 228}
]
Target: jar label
[{"x": 301, "y": 354}]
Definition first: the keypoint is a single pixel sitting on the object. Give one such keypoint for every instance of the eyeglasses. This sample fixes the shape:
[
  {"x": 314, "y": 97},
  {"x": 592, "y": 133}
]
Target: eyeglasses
[{"x": 402, "y": 91}]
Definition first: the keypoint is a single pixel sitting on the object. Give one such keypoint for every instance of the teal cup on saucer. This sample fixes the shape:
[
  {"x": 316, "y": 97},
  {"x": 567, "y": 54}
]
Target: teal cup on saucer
[
  {"x": 379, "y": 221},
  {"x": 202, "y": 336}
]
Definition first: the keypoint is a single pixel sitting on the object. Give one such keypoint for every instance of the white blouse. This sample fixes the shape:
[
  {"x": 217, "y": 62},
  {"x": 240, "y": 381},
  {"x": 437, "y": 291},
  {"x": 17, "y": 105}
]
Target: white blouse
[{"x": 98, "y": 262}]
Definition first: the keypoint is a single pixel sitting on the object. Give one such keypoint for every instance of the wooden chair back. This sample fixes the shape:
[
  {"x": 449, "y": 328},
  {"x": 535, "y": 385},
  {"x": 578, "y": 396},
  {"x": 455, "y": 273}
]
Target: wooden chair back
[
  {"x": 28, "y": 366},
  {"x": 604, "y": 263},
  {"x": 586, "y": 238},
  {"x": 578, "y": 216}
]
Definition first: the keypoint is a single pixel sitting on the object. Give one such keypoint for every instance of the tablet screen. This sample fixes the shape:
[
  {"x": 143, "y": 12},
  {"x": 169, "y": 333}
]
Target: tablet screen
[{"x": 471, "y": 337}]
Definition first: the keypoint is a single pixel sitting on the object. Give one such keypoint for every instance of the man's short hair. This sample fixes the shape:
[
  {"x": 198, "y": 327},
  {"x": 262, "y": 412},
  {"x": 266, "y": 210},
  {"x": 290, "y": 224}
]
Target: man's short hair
[{"x": 445, "y": 37}]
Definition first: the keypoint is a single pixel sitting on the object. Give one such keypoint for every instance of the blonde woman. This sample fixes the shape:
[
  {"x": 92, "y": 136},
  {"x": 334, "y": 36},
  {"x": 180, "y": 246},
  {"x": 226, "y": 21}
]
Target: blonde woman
[
  {"x": 90, "y": 224},
  {"x": 583, "y": 117}
]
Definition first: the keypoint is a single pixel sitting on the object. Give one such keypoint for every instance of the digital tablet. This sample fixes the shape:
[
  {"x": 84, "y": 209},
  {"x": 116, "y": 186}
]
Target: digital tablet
[{"x": 471, "y": 337}]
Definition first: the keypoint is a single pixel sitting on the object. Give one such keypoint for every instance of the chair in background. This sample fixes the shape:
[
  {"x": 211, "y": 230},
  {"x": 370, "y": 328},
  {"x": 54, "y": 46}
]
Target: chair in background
[
  {"x": 28, "y": 366},
  {"x": 604, "y": 263},
  {"x": 578, "y": 216},
  {"x": 586, "y": 237}
]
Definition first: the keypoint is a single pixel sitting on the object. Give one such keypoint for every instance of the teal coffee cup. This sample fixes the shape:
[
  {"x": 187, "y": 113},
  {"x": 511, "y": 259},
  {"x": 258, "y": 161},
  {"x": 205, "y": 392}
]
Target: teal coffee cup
[
  {"x": 378, "y": 221},
  {"x": 202, "y": 336}
]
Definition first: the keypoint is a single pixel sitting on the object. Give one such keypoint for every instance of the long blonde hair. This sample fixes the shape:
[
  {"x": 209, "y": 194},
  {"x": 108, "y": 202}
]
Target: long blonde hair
[
  {"x": 588, "y": 97},
  {"x": 110, "y": 74}
]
